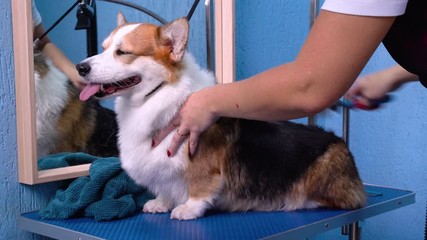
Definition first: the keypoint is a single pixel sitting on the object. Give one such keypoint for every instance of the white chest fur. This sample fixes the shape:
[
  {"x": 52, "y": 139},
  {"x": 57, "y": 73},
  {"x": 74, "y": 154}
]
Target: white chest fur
[{"x": 148, "y": 166}]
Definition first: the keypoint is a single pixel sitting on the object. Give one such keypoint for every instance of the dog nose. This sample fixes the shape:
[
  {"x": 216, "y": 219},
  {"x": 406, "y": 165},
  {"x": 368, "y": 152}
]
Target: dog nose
[{"x": 83, "y": 69}]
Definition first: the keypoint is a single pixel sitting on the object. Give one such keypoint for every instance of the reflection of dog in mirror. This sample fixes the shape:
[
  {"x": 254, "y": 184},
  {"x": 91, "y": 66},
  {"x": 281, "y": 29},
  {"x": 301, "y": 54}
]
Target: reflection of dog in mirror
[
  {"x": 240, "y": 164},
  {"x": 63, "y": 122}
]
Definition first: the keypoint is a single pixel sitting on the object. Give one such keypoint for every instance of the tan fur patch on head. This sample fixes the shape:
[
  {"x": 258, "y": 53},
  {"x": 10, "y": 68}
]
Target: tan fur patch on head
[
  {"x": 143, "y": 41},
  {"x": 146, "y": 41}
]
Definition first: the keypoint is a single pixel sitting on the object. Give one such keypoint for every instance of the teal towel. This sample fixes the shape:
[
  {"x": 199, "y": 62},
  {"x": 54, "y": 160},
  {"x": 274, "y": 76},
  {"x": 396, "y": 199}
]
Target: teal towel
[
  {"x": 64, "y": 159},
  {"x": 106, "y": 194}
]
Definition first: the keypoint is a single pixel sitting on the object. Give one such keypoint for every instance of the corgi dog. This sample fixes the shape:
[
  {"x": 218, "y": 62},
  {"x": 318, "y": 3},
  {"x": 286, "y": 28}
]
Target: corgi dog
[
  {"x": 63, "y": 122},
  {"x": 240, "y": 165}
]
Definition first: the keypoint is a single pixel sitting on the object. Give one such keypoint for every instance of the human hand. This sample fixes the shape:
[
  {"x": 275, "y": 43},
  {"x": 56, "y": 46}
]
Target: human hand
[
  {"x": 191, "y": 121},
  {"x": 370, "y": 90}
]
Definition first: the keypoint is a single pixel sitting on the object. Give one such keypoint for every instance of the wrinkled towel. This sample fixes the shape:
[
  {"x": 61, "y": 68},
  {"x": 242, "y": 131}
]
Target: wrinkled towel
[
  {"x": 64, "y": 159},
  {"x": 106, "y": 194}
]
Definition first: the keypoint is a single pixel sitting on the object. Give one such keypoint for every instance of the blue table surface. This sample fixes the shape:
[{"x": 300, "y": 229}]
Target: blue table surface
[{"x": 215, "y": 225}]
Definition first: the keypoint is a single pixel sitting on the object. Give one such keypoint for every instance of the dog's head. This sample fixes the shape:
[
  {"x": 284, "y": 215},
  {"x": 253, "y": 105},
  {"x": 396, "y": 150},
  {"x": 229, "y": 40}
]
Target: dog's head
[{"x": 137, "y": 59}]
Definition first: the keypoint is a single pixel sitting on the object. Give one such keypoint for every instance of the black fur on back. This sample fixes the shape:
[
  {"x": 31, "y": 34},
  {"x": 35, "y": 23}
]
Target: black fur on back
[{"x": 270, "y": 156}]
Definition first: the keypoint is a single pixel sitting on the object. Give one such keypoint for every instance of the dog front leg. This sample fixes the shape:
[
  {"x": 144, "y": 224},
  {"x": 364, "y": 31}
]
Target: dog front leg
[
  {"x": 203, "y": 190},
  {"x": 192, "y": 209},
  {"x": 157, "y": 205}
]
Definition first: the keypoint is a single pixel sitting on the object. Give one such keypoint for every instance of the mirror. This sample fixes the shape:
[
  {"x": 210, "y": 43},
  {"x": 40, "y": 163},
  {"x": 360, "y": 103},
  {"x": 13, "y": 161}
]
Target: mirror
[
  {"x": 25, "y": 80},
  {"x": 64, "y": 124}
]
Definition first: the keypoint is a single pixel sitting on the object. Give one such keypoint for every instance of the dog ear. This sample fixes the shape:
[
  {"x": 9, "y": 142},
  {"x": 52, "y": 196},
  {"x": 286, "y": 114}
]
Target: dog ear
[
  {"x": 175, "y": 35},
  {"x": 121, "y": 19}
]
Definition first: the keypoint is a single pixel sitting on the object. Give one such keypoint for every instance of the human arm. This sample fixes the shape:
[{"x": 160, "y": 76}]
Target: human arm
[
  {"x": 375, "y": 86},
  {"x": 57, "y": 57},
  {"x": 336, "y": 50}
]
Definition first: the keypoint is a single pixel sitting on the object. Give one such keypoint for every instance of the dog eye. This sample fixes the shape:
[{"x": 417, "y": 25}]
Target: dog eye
[{"x": 120, "y": 52}]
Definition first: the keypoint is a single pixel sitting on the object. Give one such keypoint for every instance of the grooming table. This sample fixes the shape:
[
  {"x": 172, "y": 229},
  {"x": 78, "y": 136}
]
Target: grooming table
[{"x": 250, "y": 225}]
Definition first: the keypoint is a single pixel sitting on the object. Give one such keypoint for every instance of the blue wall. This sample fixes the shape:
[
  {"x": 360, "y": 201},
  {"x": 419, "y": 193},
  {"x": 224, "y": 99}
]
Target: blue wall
[{"x": 388, "y": 144}]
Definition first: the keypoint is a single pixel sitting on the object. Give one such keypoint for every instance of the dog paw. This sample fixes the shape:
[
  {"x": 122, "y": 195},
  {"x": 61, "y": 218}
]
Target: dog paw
[
  {"x": 185, "y": 212},
  {"x": 155, "y": 206}
]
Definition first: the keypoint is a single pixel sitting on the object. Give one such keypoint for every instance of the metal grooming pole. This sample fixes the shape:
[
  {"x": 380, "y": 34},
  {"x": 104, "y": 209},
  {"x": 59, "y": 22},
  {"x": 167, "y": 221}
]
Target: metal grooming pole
[
  {"x": 352, "y": 230},
  {"x": 314, "y": 10},
  {"x": 209, "y": 36}
]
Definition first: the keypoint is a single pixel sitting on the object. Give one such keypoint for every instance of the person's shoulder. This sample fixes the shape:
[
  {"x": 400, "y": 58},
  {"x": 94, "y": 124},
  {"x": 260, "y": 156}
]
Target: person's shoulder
[{"x": 367, "y": 7}]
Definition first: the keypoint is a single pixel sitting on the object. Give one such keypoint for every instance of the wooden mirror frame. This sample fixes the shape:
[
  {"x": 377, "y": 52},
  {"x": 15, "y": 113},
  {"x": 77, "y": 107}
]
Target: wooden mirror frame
[{"x": 25, "y": 95}]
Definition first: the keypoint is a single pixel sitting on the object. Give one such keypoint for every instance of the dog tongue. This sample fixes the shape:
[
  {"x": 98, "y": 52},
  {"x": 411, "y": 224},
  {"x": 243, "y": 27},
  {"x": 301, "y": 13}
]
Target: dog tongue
[{"x": 89, "y": 91}]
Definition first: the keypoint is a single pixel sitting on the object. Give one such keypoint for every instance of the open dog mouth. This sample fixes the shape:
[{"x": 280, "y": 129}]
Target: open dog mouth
[{"x": 102, "y": 90}]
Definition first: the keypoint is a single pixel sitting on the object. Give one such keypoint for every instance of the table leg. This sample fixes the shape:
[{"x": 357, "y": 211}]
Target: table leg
[
  {"x": 354, "y": 231},
  {"x": 345, "y": 230}
]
